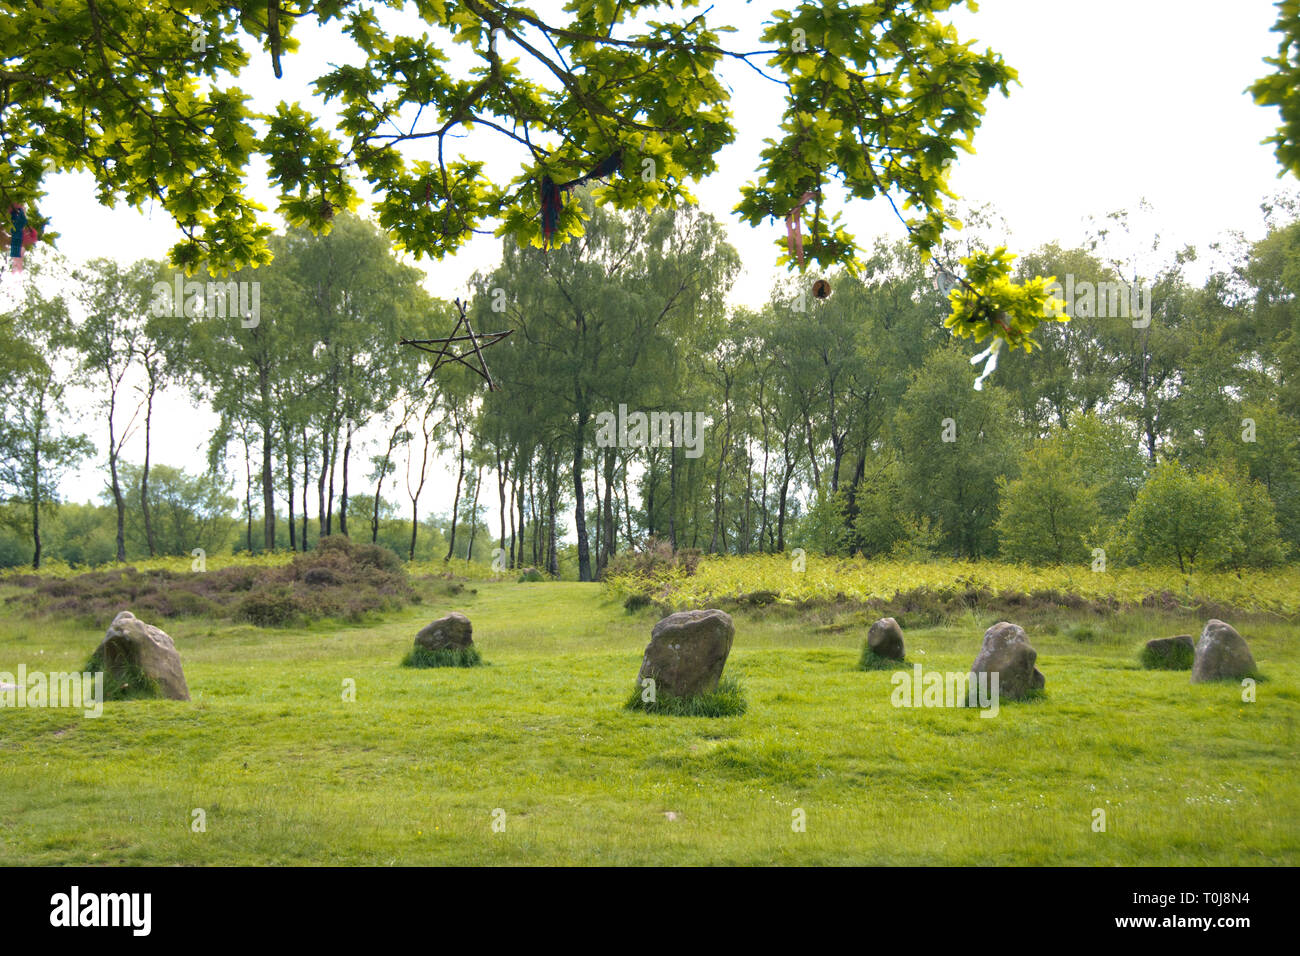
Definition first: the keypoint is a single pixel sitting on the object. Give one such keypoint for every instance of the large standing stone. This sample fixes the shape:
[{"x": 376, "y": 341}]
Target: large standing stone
[
  {"x": 453, "y": 631},
  {"x": 132, "y": 649},
  {"x": 1170, "y": 653},
  {"x": 687, "y": 652},
  {"x": 1006, "y": 651},
  {"x": 885, "y": 639},
  {"x": 1221, "y": 654}
]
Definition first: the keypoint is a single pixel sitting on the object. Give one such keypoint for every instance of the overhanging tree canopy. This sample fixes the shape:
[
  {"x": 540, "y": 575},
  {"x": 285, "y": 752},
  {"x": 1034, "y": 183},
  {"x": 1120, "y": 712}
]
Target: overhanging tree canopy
[
  {"x": 1281, "y": 88},
  {"x": 877, "y": 97}
]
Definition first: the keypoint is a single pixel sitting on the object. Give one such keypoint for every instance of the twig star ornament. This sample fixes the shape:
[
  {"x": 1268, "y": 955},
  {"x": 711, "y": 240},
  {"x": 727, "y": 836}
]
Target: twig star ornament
[{"x": 441, "y": 348}]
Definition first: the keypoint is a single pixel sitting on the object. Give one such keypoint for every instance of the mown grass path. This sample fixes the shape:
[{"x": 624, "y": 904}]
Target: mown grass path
[{"x": 287, "y": 772}]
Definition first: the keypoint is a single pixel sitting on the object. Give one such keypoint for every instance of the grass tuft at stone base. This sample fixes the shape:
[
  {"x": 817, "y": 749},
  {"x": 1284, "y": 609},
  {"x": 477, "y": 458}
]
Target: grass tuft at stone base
[
  {"x": 871, "y": 661},
  {"x": 131, "y": 684},
  {"x": 728, "y": 700},
  {"x": 443, "y": 657}
]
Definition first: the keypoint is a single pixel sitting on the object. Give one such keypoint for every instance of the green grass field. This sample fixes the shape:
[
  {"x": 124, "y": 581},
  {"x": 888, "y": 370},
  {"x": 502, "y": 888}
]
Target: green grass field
[{"x": 288, "y": 772}]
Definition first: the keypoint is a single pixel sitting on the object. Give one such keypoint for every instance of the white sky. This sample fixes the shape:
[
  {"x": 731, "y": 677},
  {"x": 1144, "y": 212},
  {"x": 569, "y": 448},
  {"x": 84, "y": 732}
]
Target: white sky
[{"x": 1120, "y": 100}]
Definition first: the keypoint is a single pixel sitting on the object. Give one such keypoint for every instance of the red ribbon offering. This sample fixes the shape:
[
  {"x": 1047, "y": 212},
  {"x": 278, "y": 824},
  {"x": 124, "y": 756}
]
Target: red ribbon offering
[{"x": 793, "y": 232}]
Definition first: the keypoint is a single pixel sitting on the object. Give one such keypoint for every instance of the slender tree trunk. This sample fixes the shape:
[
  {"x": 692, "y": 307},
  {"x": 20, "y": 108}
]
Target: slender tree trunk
[
  {"x": 36, "y": 491},
  {"x": 501, "y": 497},
  {"x": 610, "y": 528},
  {"x": 672, "y": 487},
  {"x": 329, "y": 501},
  {"x": 144, "y": 471},
  {"x": 322, "y": 523},
  {"x": 749, "y": 500},
  {"x": 533, "y": 513},
  {"x": 553, "y": 559},
  {"x": 343, "y": 497},
  {"x": 268, "y": 491},
  {"x": 288, "y": 477},
  {"x": 579, "y": 500},
  {"x": 763, "y": 517},
  {"x": 722, "y": 462},
  {"x": 598, "y": 513},
  {"x": 248, "y": 496},
  {"x": 424, "y": 465},
  {"x": 268, "y": 477},
  {"x": 514, "y": 535},
  {"x": 627, "y": 505},
  {"x": 415, "y": 525},
  {"x": 118, "y": 503},
  {"x": 651, "y": 484},
  {"x": 812, "y": 452},
  {"x": 785, "y": 490},
  {"x": 306, "y": 483},
  {"x": 383, "y": 471},
  {"x": 455, "y": 504},
  {"x": 473, "y": 513}
]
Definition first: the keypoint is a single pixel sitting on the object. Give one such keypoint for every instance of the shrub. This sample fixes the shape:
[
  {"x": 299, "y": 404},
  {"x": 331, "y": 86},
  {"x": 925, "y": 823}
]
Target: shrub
[
  {"x": 1082, "y": 633},
  {"x": 1049, "y": 511},
  {"x": 269, "y": 607},
  {"x": 1214, "y": 520},
  {"x": 376, "y": 556},
  {"x": 338, "y": 580},
  {"x": 654, "y": 558},
  {"x": 727, "y": 700},
  {"x": 636, "y": 602},
  {"x": 442, "y": 657},
  {"x": 335, "y": 542},
  {"x": 531, "y": 575}
]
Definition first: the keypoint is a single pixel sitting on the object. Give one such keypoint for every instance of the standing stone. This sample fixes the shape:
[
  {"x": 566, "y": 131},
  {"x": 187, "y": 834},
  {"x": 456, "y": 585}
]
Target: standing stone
[
  {"x": 1221, "y": 654},
  {"x": 451, "y": 632},
  {"x": 687, "y": 652},
  {"x": 1006, "y": 651},
  {"x": 885, "y": 639},
  {"x": 133, "y": 649}
]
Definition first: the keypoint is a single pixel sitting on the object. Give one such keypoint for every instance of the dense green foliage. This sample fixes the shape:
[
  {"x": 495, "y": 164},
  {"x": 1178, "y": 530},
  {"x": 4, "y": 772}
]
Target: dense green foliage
[
  {"x": 877, "y": 99},
  {"x": 1279, "y": 87}
]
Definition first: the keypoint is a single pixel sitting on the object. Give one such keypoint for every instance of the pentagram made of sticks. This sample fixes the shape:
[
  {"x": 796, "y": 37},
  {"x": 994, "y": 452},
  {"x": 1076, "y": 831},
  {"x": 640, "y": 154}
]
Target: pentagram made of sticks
[{"x": 440, "y": 348}]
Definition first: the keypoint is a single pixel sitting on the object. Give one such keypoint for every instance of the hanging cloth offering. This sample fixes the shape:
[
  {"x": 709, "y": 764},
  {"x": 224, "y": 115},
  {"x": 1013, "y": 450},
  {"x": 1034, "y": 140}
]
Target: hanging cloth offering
[
  {"x": 553, "y": 192},
  {"x": 793, "y": 232},
  {"x": 21, "y": 237},
  {"x": 990, "y": 355}
]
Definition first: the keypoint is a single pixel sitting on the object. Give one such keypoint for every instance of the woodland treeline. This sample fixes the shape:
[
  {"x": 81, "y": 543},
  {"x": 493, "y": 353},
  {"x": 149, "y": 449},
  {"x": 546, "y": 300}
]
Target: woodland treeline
[{"x": 843, "y": 426}]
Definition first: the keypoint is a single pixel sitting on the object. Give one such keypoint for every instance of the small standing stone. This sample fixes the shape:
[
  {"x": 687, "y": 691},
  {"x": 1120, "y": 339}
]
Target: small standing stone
[
  {"x": 687, "y": 652},
  {"x": 885, "y": 639},
  {"x": 453, "y": 631},
  {"x": 132, "y": 649},
  {"x": 1006, "y": 651}
]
